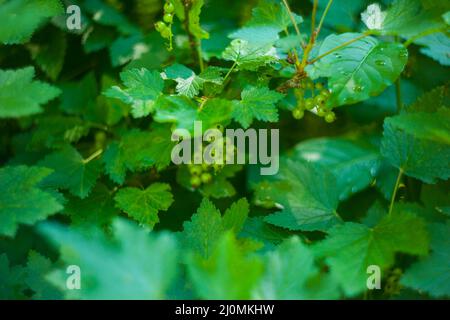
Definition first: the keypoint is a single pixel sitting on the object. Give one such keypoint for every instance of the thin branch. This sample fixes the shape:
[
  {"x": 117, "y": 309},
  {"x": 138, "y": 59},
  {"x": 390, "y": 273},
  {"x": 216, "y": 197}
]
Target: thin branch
[
  {"x": 394, "y": 193},
  {"x": 322, "y": 19},
  {"x": 93, "y": 156},
  {"x": 313, "y": 18},
  {"x": 297, "y": 30},
  {"x": 229, "y": 71}
]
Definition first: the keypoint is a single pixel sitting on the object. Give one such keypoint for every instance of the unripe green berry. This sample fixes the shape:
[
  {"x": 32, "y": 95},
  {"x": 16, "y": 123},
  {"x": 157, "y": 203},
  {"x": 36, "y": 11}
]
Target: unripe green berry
[
  {"x": 320, "y": 100},
  {"x": 168, "y": 17},
  {"x": 319, "y": 86},
  {"x": 160, "y": 26},
  {"x": 195, "y": 170},
  {"x": 310, "y": 85},
  {"x": 196, "y": 181},
  {"x": 309, "y": 104},
  {"x": 206, "y": 177},
  {"x": 330, "y": 117},
  {"x": 168, "y": 7},
  {"x": 325, "y": 93},
  {"x": 298, "y": 113},
  {"x": 321, "y": 112},
  {"x": 165, "y": 33}
]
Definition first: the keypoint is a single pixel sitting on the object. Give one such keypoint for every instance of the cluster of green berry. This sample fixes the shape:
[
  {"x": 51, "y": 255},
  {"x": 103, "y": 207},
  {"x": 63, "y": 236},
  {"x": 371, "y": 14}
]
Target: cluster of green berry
[
  {"x": 316, "y": 100},
  {"x": 165, "y": 27},
  {"x": 202, "y": 173}
]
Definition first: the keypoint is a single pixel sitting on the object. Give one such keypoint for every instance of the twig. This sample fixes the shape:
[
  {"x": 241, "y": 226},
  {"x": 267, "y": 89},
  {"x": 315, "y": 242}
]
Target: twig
[{"x": 322, "y": 19}]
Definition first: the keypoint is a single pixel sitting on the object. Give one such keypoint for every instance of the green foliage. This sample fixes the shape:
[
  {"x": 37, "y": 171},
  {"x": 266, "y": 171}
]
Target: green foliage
[
  {"x": 359, "y": 94},
  {"x": 20, "y": 95}
]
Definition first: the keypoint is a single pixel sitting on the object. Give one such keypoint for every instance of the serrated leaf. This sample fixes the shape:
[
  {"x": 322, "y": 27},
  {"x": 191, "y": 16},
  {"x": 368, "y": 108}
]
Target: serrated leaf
[
  {"x": 290, "y": 273},
  {"x": 207, "y": 225},
  {"x": 205, "y": 228},
  {"x": 144, "y": 205},
  {"x": 20, "y": 18},
  {"x": 20, "y": 95},
  {"x": 37, "y": 267},
  {"x": 355, "y": 165},
  {"x": 71, "y": 171},
  {"x": 350, "y": 247},
  {"x": 256, "y": 103},
  {"x": 272, "y": 13},
  {"x": 249, "y": 57},
  {"x": 235, "y": 216},
  {"x": 22, "y": 201},
  {"x": 422, "y": 125},
  {"x": 49, "y": 52},
  {"x": 138, "y": 150},
  {"x": 188, "y": 83},
  {"x": 227, "y": 274},
  {"x": 359, "y": 70},
  {"x": 436, "y": 46},
  {"x": 420, "y": 148},
  {"x": 11, "y": 280},
  {"x": 311, "y": 200},
  {"x": 430, "y": 275},
  {"x": 142, "y": 90},
  {"x": 96, "y": 209},
  {"x": 145, "y": 264},
  {"x": 408, "y": 18}
]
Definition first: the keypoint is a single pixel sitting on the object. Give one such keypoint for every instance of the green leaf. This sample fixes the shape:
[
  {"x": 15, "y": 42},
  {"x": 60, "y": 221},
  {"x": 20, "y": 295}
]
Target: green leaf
[
  {"x": 194, "y": 20},
  {"x": 183, "y": 112},
  {"x": 235, "y": 216},
  {"x": 350, "y": 247},
  {"x": 142, "y": 265},
  {"x": 144, "y": 205},
  {"x": 204, "y": 230},
  {"x": 436, "y": 46},
  {"x": 138, "y": 150},
  {"x": 142, "y": 90},
  {"x": 38, "y": 266},
  {"x": 227, "y": 274},
  {"x": 272, "y": 13},
  {"x": 21, "y": 199},
  {"x": 188, "y": 83},
  {"x": 417, "y": 141},
  {"x": 408, "y": 18},
  {"x": 359, "y": 70},
  {"x": 290, "y": 273},
  {"x": 311, "y": 198},
  {"x": 20, "y": 18},
  {"x": 71, "y": 171},
  {"x": 97, "y": 209},
  {"x": 256, "y": 103},
  {"x": 202, "y": 233},
  {"x": 77, "y": 97},
  {"x": 247, "y": 56},
  {"x": 11, "y": 280},
  {"x": 430, "y": 275},
  {"x": 49, "y": 52},
  {"x": 354, "y": 164},
  {"x": 20, "y": 95},
  {"x": 104, "y": 14},
  {"x": 422, "y": 125}
]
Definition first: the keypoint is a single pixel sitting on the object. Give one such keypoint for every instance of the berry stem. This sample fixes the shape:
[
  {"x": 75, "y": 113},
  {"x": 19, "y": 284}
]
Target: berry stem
[
  {"x": 297, "y": 30},
  {"x": 394, "y": 193},
  {"x": 322, "y": 19},
  {"x": 93, "y": 156},
  {"x": 229, "y": 71}
]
